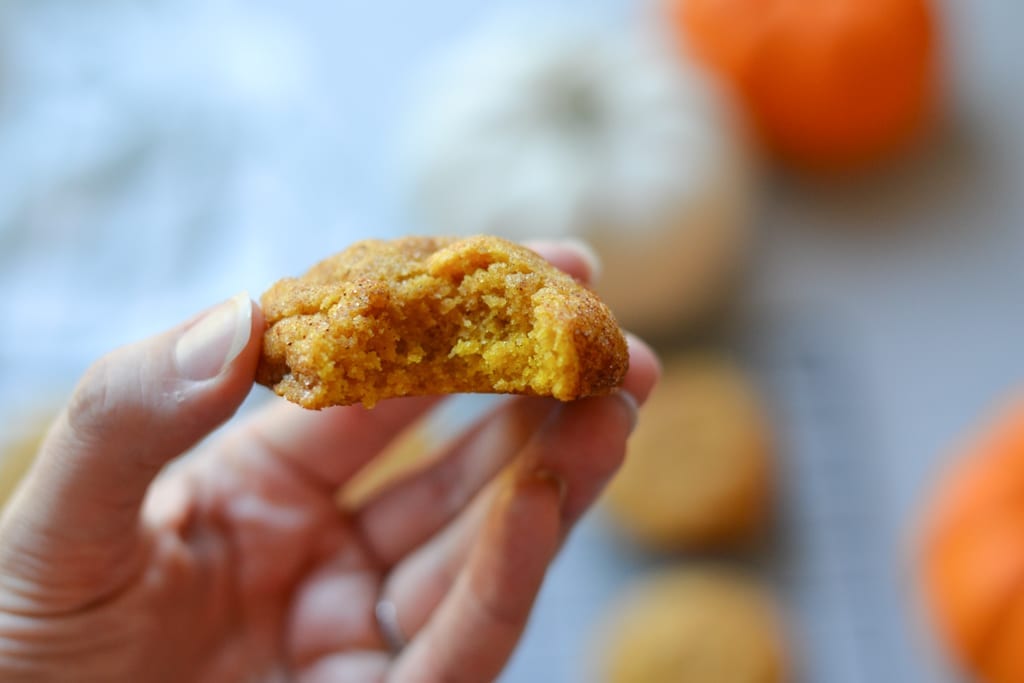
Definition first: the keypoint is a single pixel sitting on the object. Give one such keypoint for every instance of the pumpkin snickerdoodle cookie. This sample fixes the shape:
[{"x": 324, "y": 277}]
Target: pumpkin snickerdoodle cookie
[
  {"x": 699, "y": 468},
  {"x": 434, "y": 315},
  {"x": 696, "y": 625}
]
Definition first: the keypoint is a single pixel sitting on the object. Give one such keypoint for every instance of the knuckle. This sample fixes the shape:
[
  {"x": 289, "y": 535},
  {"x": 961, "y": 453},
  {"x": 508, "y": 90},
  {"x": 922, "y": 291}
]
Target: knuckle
[
  {"x": 607, "y": 446},
  {"x": 109, "y": 401},
  {"x": 92, "y": 401},
  {"x": 500, "y": 612}
]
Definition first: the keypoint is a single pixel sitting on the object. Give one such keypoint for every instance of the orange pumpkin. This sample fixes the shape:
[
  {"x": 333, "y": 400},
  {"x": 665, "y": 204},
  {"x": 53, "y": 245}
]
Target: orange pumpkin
[
  {"x": 973, "y": 563},
  {"x": 827, "y": 84}
]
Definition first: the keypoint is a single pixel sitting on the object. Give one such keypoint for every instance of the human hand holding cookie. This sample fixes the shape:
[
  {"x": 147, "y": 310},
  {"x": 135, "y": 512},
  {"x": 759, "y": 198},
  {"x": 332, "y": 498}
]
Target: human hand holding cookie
[{"x": 118, "y": 562}]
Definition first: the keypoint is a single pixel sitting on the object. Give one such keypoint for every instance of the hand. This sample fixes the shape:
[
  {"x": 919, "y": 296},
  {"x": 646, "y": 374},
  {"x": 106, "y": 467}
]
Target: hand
[{"x": 120, "y": 563}]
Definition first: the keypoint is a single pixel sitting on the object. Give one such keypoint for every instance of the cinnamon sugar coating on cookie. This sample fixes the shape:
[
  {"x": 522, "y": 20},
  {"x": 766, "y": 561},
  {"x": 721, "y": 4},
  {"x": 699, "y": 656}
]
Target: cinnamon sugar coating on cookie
[{"x": 423, "y": 315}]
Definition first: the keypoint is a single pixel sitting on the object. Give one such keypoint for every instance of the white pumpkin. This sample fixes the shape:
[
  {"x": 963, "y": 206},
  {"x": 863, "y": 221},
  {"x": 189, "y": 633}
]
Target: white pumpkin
[{"x": 554, "y": 128}]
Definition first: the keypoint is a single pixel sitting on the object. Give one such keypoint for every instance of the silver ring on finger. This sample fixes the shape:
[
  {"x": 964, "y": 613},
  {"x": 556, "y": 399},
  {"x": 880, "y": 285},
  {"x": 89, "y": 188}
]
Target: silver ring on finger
[{"x": 387, "y": 624}]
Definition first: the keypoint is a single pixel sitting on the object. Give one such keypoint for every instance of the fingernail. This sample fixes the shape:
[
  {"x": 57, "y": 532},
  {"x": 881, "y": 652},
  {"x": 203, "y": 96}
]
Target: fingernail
[
  {"x": 555, "y": 481},
  {"x": 633, "y": 342},
  {"x": 216, "y": 339},
  {"x": 632, "y": 407},
  {"x": 589, "y": 256}
]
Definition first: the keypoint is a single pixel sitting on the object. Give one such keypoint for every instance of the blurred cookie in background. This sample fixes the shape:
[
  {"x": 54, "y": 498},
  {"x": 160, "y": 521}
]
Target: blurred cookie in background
[
  {"x": 554, "y": 126},
  {"x": 409, "y": 451},
  {"x": 699, "y": 466},
  {"x": 19, "y": 443},
  {"x": 695, "y": 625},
  {"x": 973, "y": 552},
  {"x": 420, "y": 445},
  {"x": 826, "y": 84}
]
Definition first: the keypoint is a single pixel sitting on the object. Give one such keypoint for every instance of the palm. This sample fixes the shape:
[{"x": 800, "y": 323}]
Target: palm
[
  {"x": 261, "y": 552},
  {"x": 259, "y": 547}
]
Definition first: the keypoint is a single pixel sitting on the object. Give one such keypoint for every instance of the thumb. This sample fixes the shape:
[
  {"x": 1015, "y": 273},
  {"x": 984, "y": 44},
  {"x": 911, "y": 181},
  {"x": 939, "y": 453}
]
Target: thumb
[{"x": 134, "y": 410}]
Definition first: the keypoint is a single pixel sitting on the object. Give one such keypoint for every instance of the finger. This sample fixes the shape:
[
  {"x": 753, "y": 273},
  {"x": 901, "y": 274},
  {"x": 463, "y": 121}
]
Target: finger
[
  {"x": 132, "y": 412},
  {"x": 476, "y": 627},
  {"x": 407, "y": 513},
  {"x": 332, "y": 608},
  {"x": 331, "y": 445},
  {"x": 644, "y": 369},
  {"x": 586, "y": 444},
  {"x": 418, "y": 584},
  {"x": 585, "y": 448},
  {"x": 348, "y": 667},
  {"x": 574, "y": 257},
  {"x": 333, "y": 611}
]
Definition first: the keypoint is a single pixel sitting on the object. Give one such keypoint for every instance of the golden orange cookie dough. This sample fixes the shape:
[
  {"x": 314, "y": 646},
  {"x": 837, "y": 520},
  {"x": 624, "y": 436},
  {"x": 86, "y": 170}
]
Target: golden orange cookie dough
[
  {"x": 432, "y": 315},
  {"x": 698, "y": 467},
  {"x": 695, "y": 625}
]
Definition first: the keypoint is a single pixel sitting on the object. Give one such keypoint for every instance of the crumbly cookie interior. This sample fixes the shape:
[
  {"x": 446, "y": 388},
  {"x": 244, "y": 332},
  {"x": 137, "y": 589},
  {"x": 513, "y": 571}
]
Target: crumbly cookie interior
[{"x": 425, "y": 317}]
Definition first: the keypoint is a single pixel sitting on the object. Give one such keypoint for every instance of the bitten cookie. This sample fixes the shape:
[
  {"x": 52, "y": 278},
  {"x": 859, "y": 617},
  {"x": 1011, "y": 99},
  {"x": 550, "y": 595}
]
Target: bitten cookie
[
  {"x": 695, "y": 626},
  {"x": 425, "y": 315},
  {"x": 698, "y": 468}
]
